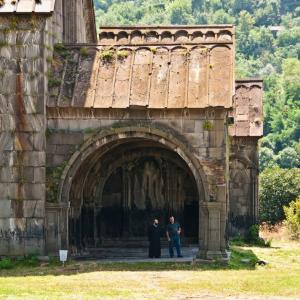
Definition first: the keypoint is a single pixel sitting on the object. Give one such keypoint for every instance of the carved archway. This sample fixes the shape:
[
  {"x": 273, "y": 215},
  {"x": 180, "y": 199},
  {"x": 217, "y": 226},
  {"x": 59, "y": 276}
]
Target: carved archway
[
  {"x": 107, "y": 139},
  {"x": 78, "y": 170}
]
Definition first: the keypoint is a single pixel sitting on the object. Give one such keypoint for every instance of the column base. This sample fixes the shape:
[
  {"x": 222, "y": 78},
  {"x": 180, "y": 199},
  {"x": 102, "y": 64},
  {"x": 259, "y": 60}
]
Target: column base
[{"x": 220, "y": 255}]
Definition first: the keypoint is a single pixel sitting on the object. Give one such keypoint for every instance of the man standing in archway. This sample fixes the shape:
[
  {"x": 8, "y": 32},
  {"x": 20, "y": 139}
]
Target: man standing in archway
[
  {"x": 154, "y": 233},
  {"x": 173, "y": 236}
]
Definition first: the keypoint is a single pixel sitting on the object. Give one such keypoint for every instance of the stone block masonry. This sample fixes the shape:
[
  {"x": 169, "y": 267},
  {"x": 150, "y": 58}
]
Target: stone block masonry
[
  {"x": 27, "y": 39},
  {"x": 22, "y": 134}
]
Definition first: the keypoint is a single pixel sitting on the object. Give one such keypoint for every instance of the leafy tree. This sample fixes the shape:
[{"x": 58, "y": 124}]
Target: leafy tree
[
  {"x": 288, "y": 158},
  {"x": 267, "y": 158},
  {"x": 124, "y": 13},
  {"x": 291, "y": 79},
  {"x": 278, "y": 187},
  {"x": 221, "y": 17},
  {"x": 268, "y": 14},
  {"x": 239, "y": 5},
  {"x": 292, "y": 214},
  {"x": 197, "y": 5},
  {"x": 289, "y": 37},
  {"x": 181, "y": 12}
]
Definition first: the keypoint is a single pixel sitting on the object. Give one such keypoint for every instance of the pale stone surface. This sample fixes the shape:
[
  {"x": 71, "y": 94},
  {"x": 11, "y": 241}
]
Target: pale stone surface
[{"x": 5, "y": 209}]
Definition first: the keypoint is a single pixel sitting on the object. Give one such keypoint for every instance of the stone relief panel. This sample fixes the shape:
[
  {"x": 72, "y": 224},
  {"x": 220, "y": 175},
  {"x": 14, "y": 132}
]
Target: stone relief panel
[{"x": 241, "y": 197}]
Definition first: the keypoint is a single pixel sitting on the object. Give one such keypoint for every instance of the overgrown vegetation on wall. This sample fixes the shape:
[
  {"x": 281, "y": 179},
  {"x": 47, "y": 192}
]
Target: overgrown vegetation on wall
[{"x": 53, "y": 179}]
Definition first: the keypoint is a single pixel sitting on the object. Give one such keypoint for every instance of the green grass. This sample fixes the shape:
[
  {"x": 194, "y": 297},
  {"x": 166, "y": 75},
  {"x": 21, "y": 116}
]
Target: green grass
[{"x": 91, "y": 280}]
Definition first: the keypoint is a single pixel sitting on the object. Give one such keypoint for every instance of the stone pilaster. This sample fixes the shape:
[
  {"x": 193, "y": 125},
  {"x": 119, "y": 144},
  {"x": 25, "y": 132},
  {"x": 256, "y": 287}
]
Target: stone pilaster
[{"x": 213, "y": 222}]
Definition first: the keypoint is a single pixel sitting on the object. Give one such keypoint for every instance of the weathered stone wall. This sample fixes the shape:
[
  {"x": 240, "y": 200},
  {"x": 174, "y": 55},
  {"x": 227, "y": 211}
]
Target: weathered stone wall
[
  {"x": 243, "y": 186},
  {"x": 243, "y": 173},
  {"x": 78, "y": 21},
  {"x": 22, "y": 134},
  {"x": 26, "y": 48},
  {"x": 202, "y": 131}
]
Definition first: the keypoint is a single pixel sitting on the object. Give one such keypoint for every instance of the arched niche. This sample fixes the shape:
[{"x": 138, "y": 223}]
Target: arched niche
[{"x": 81, "y": 172}]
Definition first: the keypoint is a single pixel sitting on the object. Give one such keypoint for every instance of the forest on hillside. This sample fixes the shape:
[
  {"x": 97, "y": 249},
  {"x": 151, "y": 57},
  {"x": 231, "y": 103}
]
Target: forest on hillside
[{"x": 268, "y": 46}]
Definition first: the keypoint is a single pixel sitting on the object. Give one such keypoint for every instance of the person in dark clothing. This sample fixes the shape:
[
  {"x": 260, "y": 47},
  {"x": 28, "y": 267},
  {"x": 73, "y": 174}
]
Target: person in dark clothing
[
  {"x": 173, "y": 236},
  {"x": 154, "y": 233}
]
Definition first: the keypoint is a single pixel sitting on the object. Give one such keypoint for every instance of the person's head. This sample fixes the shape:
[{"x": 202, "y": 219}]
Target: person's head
[
  {"x": 155, "y": 222},
  {"x": 172, "y": 219}
]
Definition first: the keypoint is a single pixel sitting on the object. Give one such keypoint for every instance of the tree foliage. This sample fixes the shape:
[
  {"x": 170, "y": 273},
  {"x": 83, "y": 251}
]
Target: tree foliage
[
  {"x": 278, "y": 187},
  {"x": 292, "y": 214}
]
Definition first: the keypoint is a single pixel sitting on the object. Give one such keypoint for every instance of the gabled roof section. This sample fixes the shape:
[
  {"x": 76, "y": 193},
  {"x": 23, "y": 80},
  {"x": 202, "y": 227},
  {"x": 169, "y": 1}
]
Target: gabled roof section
[
  {"x": 27, "y": 6},
  {"x": 154, "y": 67}
]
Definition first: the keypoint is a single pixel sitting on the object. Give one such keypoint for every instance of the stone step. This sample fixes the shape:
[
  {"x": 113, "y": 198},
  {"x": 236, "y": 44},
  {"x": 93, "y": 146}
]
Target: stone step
[
  {"x": 129, "y": 253},
  {"x": 139, "y": 243}
]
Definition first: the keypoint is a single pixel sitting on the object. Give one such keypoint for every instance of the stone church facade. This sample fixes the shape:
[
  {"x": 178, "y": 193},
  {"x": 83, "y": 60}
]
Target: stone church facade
[{"x": 101, "y": 134}]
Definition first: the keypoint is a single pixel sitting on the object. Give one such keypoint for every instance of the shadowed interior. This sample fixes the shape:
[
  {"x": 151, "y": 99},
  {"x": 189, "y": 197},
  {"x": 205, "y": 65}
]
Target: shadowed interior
[{"x": 114, "y": 200}]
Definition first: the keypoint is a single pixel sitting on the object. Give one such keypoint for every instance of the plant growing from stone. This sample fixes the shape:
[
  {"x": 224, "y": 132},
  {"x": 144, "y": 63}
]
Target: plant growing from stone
[
  {"x": 153, "y": 50},
  {"x": 52, "y": 181},
  {"x": 53, "y": 80},
  {"x": 107, "y": 55},
  {"x": 13, "y": 23},
  {"x": 207, "y": 125},
  {"x": 204, "y": 51},
  {"x": 84, "y": 52},
  {"x": 61, "y": 50},
  {"x": 122, "y": 54}
]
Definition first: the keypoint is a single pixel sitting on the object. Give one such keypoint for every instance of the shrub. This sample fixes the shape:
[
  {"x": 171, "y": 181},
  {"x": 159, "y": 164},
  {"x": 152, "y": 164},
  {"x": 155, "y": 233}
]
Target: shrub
[
  {"x": 5, "y": 264},
  {"x": 253, "y": 237},
  {"x": 278, "y": 187},
  {"x": 30, "y": 260},
  {"x": 292, "y": 214}
]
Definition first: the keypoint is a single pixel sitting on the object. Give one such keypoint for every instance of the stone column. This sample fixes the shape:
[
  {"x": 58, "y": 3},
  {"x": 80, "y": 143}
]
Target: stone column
[{"x": 212, "y": 227}]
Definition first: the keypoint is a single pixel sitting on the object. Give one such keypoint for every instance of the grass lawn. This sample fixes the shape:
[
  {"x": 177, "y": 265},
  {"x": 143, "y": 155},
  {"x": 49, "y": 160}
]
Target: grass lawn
[{"x": 94, "y": 280}]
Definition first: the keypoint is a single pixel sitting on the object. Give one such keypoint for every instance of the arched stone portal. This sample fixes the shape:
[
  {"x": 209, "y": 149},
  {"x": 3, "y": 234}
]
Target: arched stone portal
[
  {"x": 114, "y": 203},
  {"x": 120, "y": 180}
]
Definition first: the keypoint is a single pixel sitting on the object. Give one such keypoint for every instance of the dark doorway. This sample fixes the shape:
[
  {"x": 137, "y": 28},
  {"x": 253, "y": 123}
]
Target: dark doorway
[{"x": 129, "y": 187}]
